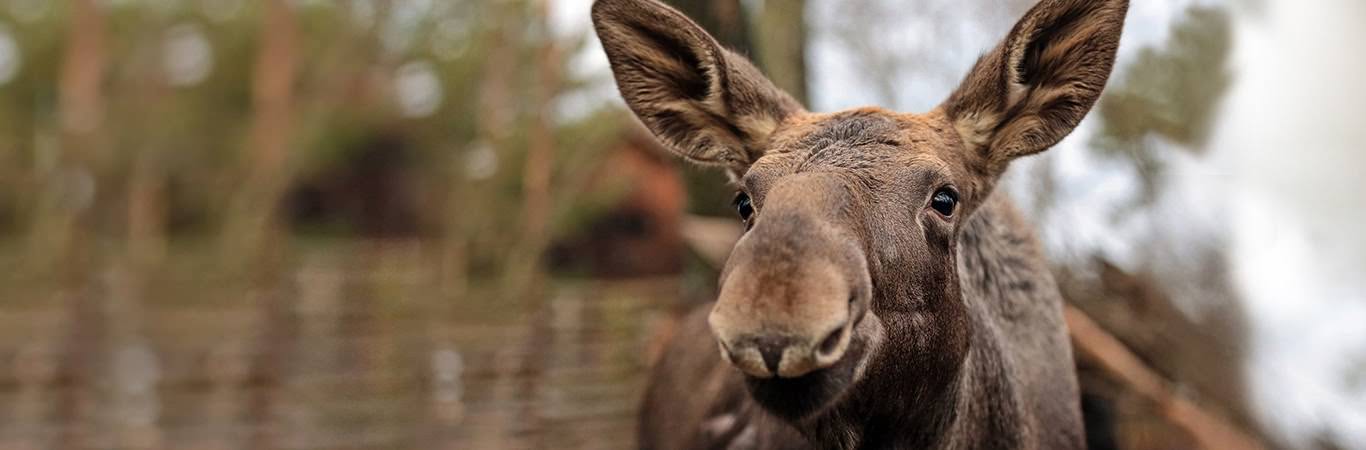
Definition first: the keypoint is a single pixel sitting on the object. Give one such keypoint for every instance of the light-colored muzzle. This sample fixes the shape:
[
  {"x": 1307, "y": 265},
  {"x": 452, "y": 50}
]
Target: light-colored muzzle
[
  {"x": 795, "y": 285},
  {"x": 785, "y": 332}
]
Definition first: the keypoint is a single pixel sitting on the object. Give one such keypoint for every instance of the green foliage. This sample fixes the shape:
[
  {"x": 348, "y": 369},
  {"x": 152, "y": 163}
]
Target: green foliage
[
  {"x": 493, "y": 84},
  {"x": 1172, "y": 92}
]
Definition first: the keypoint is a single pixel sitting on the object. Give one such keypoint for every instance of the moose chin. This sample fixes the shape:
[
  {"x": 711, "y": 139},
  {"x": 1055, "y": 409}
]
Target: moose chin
[{"x": 808, "y": 395}]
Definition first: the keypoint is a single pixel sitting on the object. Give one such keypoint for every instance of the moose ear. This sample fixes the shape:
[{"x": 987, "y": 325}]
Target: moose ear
[
  {"x": 1037, "y": 84},
  {"x": 705, "y": 103}
]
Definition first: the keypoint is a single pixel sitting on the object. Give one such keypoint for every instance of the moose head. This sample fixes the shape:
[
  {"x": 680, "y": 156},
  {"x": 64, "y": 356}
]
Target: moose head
[{"x": 850, "y": 267}]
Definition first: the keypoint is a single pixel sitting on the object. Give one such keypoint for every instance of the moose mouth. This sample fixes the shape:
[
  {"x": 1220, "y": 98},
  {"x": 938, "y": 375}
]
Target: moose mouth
[{"x": 802, "y": 397}]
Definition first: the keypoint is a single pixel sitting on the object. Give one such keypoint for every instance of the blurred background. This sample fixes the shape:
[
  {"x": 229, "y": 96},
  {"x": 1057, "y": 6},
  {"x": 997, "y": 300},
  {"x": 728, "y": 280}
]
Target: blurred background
[{"x": 380, "y": 224}]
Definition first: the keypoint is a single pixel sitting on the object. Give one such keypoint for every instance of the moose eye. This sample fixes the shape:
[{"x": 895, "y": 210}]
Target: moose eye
[
  {"x": 744, "y": 207},
  {"x": 945, "y": 200}
]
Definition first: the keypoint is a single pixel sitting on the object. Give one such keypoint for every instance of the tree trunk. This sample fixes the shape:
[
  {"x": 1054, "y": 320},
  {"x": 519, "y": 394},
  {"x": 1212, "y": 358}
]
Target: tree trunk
[
  {"x": 253, "y": 228},
  {"x": 724, "y": 19},
  {"x": 782, "y": 44},
  {"x": 524, "y": 276},
  {"x": 253, "y": 216},
  {"x": 60, "y": 234}
]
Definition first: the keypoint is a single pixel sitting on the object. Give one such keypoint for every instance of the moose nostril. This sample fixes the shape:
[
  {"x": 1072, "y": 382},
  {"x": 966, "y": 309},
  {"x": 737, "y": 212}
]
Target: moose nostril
[
  {"x": 831, "y": 341},
  {"x": 772, "y": 354}
]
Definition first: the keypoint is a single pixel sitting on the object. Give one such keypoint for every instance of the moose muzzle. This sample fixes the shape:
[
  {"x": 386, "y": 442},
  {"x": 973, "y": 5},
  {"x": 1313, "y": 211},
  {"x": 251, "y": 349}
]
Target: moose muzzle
[{"x": 793, "y": 290}]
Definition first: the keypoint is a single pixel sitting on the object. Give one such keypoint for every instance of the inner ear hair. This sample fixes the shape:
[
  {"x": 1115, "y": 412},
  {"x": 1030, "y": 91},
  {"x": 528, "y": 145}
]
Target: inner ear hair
[
  {"x": 703, "y": 102},
  {"x": 1037, "y": 85}
]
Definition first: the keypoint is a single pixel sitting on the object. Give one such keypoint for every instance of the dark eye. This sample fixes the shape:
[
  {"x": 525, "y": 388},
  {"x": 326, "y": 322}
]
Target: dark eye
[
  {"x": 744, "y": 207},
  {"x": 945, "y": 200}
]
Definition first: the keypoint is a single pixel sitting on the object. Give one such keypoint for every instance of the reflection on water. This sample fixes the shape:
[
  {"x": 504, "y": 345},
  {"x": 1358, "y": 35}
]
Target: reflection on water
[{"x": 357, "y": 347}]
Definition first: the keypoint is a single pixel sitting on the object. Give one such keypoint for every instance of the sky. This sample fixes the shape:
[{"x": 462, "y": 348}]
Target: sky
[
  {"x": 1290, "y": 140},
  {"x": 1278, "y": 186}
]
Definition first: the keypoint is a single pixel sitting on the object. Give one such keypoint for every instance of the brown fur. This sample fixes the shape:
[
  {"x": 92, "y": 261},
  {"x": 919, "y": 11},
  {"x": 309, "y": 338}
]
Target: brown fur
[{"x": 856, "y": 315}]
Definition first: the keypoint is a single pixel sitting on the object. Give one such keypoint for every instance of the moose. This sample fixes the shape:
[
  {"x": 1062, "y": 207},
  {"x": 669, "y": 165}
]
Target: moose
[{"x": 883, "y": 294}]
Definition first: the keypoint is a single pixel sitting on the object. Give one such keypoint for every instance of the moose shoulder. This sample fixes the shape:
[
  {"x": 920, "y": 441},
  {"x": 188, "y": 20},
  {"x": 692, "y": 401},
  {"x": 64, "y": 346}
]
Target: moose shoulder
[{"x": 883, "y": 295}]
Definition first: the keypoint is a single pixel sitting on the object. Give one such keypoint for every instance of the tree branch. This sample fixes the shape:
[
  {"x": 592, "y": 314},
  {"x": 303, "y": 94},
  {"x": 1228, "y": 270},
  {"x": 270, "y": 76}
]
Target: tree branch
[{"x": 1209, "y": 429}]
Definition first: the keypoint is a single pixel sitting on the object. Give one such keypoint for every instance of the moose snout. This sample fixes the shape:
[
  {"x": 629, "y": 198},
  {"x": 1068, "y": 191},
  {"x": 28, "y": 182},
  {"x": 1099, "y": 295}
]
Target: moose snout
[
  {"x": 787, "y": 355},
  {"x": 788, "y": 323},
  {"x": 795, "y": 285},
  {"x": 786, "y": 328}
]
